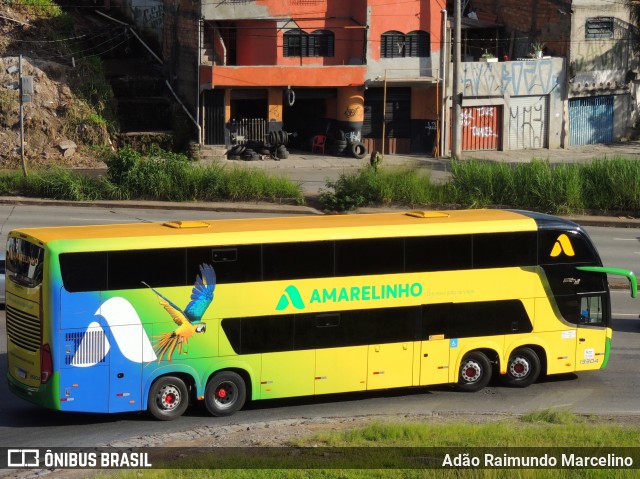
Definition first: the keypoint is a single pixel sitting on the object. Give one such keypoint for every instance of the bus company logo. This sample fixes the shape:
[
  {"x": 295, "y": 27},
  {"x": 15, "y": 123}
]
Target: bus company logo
[
  {"x": 292, "y": 296},
  {"x": 562, "y": 245}
]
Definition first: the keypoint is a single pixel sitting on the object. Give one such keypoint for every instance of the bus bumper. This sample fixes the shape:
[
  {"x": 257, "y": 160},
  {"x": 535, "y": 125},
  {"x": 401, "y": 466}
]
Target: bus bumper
[{"x": 41, "y": 396}]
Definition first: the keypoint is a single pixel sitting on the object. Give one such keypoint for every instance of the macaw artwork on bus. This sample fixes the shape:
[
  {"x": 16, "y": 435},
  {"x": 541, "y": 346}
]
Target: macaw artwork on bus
[{"x": 189, "y": 320}]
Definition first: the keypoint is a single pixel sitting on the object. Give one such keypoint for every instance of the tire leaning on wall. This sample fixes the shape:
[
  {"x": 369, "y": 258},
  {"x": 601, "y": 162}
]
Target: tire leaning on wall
[{"x": 358, "y": 150}]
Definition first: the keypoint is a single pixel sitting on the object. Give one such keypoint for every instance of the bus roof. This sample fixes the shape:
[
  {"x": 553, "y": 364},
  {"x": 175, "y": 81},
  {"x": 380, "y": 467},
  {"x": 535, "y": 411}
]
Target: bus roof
[{"x": 281, "y": 229}]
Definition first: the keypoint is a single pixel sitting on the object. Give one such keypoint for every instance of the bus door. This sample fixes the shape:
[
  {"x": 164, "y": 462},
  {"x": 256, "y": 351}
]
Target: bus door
[
  {"x": 434, "y": 360},
  {"x": 435, "y": 346},
  {"x": 592, "y": 332}
]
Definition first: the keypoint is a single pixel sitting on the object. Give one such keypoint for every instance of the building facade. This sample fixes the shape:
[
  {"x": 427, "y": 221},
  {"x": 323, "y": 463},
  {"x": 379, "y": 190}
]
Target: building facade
[
  {"x": 372, "y": 71},
  {"x": 596, "y": 38},
  {"x": 309, "y": 67}
]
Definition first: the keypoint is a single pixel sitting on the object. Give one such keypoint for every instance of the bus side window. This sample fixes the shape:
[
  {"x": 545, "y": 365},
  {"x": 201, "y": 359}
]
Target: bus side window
[{"x": 591, "y": 310}]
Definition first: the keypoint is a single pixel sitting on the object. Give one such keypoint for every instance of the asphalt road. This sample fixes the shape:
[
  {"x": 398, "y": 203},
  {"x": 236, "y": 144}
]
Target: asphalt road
[{"x": 609, "y": 392}]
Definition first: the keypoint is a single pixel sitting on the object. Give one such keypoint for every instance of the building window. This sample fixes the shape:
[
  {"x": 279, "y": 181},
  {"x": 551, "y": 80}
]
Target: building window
[
  {"x": 392, "y": 45},
  {"x": 417, "y": 44},
  {"x": 599, "y": 27},
  {"x": 321, "y": 43},
  {"x": 296, "y": 43},
  {"x": 396, "y": 44}
]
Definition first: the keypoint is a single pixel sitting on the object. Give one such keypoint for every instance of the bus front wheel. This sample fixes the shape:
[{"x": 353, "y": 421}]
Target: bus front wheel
[
  {"x": 475, "y": 372},
  {"x": 168, "y": 398},
  {"x": 523, "y": 368},
  {"x": 225, "y": 393}
]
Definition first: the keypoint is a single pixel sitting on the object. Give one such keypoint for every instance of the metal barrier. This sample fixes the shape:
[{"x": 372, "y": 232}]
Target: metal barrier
[{"x": 248, "y": 129}]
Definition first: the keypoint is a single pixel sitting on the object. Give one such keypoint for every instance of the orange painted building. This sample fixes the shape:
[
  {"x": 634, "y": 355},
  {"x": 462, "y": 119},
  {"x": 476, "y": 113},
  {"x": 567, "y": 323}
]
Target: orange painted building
[{"x": 311, "y": 67}]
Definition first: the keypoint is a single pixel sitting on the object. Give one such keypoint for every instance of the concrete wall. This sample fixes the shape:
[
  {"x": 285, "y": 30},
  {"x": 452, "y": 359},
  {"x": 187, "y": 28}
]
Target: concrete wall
[{"x": 600, "y": 66}]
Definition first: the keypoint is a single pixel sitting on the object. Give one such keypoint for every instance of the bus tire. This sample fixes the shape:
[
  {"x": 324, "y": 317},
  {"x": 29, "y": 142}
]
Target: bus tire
[
  {"x": 475, "y": 372},
  {"x": 225, "y": 393},
  {"x": 168, "y": 398},
  {"x": 523, "y": 368}
]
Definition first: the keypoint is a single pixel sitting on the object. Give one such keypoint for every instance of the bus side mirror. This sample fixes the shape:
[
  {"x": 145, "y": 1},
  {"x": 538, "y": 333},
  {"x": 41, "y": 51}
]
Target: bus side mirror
[{"x": 633, "y": 281}]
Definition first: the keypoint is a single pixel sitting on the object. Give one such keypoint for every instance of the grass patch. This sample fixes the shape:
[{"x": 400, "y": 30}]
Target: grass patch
[
  {"x": 46, "y": 8},
  {"x": 376, "y": 186},
  {"x": 550, "y": 416},
  {"x": 542, "y": 429},
  {"x": 160, "y": 176},
  {"x": 565, "y": 188}
]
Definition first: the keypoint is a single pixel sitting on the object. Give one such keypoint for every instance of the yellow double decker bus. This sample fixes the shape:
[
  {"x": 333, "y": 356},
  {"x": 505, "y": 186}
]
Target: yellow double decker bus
[{"x": 156, "y": 316}]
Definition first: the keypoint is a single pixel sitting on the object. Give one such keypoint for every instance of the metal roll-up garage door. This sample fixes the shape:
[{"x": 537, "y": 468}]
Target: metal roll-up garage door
[
  {"x": 528, "y": 122},
  {"x": 591, "y": 120},
  {"x": 481, "y": 127}
]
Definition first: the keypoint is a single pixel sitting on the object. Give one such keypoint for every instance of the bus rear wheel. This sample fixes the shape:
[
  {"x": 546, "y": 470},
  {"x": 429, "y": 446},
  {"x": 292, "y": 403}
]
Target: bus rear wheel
[
  {"x": 523, "y": 368},
  {"x": 168, "y": 398},
  {"x": 475, "y": 372},
  {"x": 225, "y": 393}
]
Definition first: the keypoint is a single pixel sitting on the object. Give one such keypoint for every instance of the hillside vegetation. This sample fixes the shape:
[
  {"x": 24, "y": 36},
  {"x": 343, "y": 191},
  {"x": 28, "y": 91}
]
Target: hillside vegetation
[{"x": 71, "y": 100}]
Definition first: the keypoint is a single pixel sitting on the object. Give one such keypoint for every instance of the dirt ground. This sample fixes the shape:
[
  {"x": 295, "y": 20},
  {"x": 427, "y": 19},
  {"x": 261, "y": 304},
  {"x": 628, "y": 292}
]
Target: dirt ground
[{"x": 45, "y": 118}]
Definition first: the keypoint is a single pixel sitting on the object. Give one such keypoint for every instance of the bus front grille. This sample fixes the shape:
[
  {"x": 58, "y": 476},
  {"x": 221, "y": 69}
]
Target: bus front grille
[{"x": 23, "y": 329}]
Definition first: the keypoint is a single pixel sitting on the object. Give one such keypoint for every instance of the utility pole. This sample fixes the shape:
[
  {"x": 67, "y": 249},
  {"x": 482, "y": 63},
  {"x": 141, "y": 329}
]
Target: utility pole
[
  {"x": 456, "y": 130},
  {"x": 24, "y": 165}
]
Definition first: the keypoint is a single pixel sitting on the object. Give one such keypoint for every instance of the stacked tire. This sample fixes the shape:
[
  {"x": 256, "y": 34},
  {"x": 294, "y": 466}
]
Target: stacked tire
[
  {"x": 250, "y": 155},
  {"x": 280, "y": 153},
  {"x": 235, "y": 152},
  {"x": 337, "y": 147},
  {"x": 279, "y": 137}
]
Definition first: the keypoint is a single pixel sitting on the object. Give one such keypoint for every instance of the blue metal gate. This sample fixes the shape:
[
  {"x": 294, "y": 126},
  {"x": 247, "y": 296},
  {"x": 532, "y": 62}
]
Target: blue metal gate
[{"x": 591, "y": 120}]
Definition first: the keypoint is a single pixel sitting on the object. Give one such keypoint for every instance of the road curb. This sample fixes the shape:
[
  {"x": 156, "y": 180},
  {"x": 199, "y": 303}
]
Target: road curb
[{"x": 257, "y": 207}]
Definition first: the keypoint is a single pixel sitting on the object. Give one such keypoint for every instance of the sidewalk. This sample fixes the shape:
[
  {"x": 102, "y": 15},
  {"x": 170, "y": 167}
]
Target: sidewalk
[{"x": 312, "y": 170}]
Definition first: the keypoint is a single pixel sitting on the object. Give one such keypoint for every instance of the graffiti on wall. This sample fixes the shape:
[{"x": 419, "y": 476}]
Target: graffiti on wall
[
  {"x": 353, "y": 136},
  {"x": 527, "y": 127},
  {"x": 600, "y": 55},
  {"x": 514, "y": 78},
  {"x": 469, "y": 115},
  {"x": 351, "y": 111},
  {"x": 148, "y": 14},
  {"x": 480, "y": 128}
]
